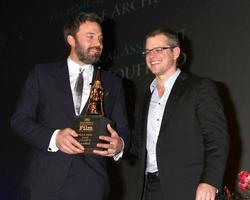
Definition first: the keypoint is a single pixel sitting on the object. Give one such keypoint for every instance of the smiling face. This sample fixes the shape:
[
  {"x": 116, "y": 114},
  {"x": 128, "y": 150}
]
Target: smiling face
[
  {"x": 86, "y": 46},
  {"x": 160, "y": 60}
]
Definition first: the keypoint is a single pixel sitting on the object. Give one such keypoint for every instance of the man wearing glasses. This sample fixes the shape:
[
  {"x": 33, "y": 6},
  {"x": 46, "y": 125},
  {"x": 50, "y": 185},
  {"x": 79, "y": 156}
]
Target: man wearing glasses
[{"x": 181, "y": 139}]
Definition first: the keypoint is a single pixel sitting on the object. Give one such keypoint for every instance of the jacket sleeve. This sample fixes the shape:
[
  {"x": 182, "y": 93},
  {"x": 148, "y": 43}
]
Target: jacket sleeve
[
  {"x": 214, "y": 130},
  {"x": 24, "y": 120},
  {"x": 119, "y": 114}
]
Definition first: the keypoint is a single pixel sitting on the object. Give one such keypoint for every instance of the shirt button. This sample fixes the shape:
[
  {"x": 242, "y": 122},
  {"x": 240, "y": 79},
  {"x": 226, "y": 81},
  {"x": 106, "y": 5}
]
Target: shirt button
[{"x": 157, "y": 120}]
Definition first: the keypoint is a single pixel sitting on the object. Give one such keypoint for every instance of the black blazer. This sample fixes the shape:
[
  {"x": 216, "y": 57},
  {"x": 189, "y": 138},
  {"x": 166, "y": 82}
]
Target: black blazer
[
  {"x": 192, "y": 146},
  {"x": 46, "y": 104}
]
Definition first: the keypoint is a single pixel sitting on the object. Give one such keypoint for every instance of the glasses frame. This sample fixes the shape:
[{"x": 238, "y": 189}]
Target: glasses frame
[{"x": 160, "y": 49}]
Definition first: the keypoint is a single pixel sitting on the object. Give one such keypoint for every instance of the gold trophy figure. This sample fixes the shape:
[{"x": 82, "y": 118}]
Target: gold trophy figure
[
  {"x": 95, "y": 106},
  {"x": 93, "y": 123}
]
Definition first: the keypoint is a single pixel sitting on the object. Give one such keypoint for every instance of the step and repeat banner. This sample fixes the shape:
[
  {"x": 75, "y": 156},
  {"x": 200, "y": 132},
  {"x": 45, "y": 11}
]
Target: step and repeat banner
[{"x": 215, "y": 43}]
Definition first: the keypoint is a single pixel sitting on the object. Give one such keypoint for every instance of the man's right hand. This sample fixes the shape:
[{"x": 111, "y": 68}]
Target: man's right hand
[{"x": 66, "y": 142}]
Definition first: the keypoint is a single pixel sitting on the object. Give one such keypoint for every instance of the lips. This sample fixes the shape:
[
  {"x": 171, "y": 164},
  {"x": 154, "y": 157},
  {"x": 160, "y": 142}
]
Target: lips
[
  {"x": 154, "y": 62},
  {"x": 95, "y": 49},
  {"x": 96, "y": 52}
]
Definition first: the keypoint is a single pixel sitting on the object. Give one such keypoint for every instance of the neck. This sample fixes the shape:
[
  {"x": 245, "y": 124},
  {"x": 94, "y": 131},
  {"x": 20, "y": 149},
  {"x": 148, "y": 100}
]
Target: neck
[
  {"x": 75, "y": 59},
  {"x": 161, "y": 90},
  {"x": 162, "y": 78}
]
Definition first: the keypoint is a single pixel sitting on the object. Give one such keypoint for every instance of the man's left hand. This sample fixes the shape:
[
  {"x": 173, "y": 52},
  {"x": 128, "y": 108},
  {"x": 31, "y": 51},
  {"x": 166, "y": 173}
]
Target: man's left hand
[
  {"x": 114, "y": 146},
  {"x": 205, "y": 192}
]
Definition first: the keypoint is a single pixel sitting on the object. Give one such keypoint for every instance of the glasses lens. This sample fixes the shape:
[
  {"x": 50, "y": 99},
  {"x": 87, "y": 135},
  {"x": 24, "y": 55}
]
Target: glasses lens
[{"x": 154, "y": 51}]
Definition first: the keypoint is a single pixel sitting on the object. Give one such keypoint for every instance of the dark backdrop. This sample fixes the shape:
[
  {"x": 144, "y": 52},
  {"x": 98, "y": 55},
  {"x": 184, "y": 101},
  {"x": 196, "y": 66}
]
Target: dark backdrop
[{"x": 216, "y": 43}]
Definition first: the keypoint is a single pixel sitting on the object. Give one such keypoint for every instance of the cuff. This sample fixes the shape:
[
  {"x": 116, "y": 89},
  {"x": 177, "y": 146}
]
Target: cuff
[
  {"x": 52, "y": 144},
  {"x": 120, "y": 154}
]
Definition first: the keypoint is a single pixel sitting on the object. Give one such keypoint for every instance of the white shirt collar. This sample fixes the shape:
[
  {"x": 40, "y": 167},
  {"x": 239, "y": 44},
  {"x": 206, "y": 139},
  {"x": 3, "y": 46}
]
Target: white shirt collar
[
  {"x": 74, "y": 67},
  {"x": 169, "y": 83}
]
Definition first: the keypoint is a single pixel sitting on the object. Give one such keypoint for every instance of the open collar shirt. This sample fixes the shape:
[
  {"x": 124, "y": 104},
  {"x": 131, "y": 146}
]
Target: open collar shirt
[{"x": 155, "y": 115}]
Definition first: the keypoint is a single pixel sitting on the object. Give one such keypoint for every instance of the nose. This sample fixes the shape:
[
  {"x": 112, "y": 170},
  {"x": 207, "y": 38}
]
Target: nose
[{"x": 97, "y": 42}]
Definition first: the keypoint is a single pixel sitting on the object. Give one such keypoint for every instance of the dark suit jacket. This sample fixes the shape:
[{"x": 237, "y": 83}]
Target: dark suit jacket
[
  {"x": 46, "y": 104},
  {"x": 192, "y": 145}
]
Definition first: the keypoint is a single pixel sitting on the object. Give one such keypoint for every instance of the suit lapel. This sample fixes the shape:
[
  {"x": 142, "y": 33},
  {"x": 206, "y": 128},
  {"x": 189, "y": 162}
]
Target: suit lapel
[
  {"x": 62, "y": 78},
  {"x": 145, "y": 116},
  {"x": 175, "y": 93}
]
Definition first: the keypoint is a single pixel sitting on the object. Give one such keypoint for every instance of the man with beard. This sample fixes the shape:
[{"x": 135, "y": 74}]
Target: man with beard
[{"x": 59, "y": 169}]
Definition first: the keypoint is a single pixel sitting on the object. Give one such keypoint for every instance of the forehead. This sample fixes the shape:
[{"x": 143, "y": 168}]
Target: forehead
[
  {"x": 90, "y": 27},
  {"x": 156, "y": 41}
]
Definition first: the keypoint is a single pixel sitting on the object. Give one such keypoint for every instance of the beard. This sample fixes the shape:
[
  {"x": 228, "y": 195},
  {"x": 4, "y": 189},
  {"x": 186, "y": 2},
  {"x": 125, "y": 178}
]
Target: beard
[{"x": 86, "y": 56}]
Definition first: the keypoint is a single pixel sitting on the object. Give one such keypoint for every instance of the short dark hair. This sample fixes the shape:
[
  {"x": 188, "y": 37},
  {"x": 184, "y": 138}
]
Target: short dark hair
[
  {"x": 170, "y": 34},
  {"x": 72, "y": 24}
]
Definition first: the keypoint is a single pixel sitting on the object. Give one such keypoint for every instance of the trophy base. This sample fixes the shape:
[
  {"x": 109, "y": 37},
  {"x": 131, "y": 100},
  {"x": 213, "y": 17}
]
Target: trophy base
[{"x": 89, "y": 128}]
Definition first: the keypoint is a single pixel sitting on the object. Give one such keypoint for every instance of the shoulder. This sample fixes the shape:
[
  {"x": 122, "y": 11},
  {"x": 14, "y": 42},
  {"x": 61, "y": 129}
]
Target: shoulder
[
  {"x": 194, "y": 85},
  {"x": 49, "y": 69},
  {"x": 50, "y": 66},
  {"x": 110, "y": 76},
  {"x": 203, "y": 88},
  {"x": 111, "y": 81},
  {"x": 196, "y": 80}
]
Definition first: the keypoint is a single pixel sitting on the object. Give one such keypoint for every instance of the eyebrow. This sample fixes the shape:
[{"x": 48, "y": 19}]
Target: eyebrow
[{"x": 92, "y": 33}]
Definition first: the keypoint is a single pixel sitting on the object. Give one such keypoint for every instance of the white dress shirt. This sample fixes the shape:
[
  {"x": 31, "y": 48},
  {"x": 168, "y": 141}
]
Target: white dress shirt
[{"x": 155, "y": 115}]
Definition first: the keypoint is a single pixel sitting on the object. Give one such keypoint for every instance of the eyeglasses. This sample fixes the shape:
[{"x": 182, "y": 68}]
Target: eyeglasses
[{"x": 156, "y": 50}]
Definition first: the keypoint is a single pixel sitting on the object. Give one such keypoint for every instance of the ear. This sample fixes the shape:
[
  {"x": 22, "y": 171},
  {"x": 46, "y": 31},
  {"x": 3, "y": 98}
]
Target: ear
[
  {"x": 176, "y": 52},
  {"x": 71, "y": 40}
]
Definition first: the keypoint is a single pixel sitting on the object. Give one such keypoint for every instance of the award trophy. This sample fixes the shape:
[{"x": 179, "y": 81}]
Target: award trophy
[{"x": 93, "y": 124}]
